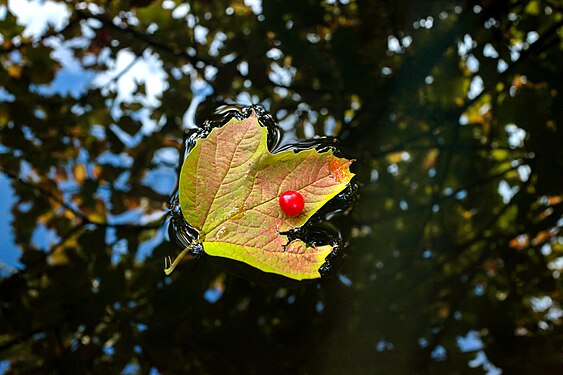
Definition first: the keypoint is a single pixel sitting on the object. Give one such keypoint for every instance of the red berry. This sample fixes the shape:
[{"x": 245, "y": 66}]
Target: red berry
[{"x": 292, "y": 203}]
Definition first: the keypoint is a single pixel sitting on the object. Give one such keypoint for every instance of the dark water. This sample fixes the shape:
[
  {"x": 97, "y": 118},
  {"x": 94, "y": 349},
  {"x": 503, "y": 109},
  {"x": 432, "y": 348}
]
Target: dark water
[{"x": 449, "y": 248}]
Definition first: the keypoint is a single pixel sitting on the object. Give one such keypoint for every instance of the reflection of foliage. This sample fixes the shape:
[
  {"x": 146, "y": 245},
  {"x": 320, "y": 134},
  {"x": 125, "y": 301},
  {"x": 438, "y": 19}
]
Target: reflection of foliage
[{"x": 430, "y": 97}]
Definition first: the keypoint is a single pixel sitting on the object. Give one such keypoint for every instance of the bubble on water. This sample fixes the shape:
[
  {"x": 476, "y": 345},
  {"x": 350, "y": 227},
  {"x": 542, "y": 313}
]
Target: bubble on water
[
  {"x": 233, "y": 212},
  {"x": 221, "y": 233}
]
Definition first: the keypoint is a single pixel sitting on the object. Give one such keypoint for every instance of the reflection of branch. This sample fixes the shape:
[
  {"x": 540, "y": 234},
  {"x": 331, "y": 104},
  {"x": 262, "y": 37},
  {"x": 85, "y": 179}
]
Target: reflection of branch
[
  {"x": 118, "y": 76},
  {"x": 442, "y": 198},
  {"x": 401, "y": 146},
  {"x": 486, "y": 180},
  {"x": 66, "y": 237},
  {"x": 458, "y": 296},
  {"x": 438, "y": 186},
  {"x": 146, "y": 38},
  {"x": 481, "y": 234},
  {"x": 10, "y": 47},
  {"x": 534, "y": 49},
  {"x": 125, "y": 70},
  {"x": 546, "y": 40},
  {"x": 7, "y": 268},
  {"x": 459, "y": 291},
  {"x": 85, "y": 219},
  {"x": 18, "y": 340}
]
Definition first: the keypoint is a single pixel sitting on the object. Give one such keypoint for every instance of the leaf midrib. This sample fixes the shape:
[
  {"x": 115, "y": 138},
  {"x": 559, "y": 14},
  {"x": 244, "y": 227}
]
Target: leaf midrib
[{"x": 222, "y": 179}]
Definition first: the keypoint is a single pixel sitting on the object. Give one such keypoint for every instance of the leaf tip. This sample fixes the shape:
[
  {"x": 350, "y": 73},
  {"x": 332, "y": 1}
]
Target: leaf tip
[{"x": 340, "y": 169}]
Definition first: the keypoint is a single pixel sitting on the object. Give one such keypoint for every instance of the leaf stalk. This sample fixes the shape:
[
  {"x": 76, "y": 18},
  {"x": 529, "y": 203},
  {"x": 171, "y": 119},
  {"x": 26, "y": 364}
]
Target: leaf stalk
[{"x": 170, "y": 266}]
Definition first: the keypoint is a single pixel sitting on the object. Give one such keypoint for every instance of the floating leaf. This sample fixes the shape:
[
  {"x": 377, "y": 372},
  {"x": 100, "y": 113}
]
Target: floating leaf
[{"x": 230, "y": 185}]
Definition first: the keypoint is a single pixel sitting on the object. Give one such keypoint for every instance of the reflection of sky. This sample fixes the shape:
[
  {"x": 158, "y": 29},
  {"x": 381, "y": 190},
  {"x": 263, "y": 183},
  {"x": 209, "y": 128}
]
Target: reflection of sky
[
  {"x": 471, "y": 342},
  {"x": 9, "y": 252},
  {"x": 4, "y": 366},
  {"x": 5, "y": 96},
  {"x": 71, "y": 79},
  {"x": 42, "y": 237},
  {"x": 37, "y": 15}
]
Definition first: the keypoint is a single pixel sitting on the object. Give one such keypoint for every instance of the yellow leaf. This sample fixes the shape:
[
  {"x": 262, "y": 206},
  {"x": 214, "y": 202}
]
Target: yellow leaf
[
  {"x": 230, "y": 185},
  {"x": 14, "y": 71},
  {"x": 79, "y": 173}
]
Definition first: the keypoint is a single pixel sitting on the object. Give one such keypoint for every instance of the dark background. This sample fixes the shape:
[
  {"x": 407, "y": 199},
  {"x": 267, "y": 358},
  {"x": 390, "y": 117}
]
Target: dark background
[{"x": 452, "y": 110}]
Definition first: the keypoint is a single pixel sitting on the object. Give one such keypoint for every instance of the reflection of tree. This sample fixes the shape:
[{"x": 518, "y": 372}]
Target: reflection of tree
[{"x": 456, "y": 232}]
